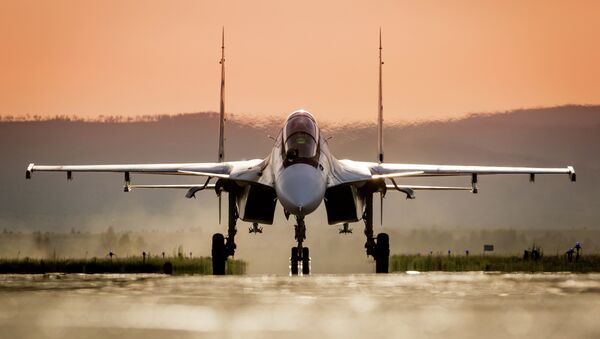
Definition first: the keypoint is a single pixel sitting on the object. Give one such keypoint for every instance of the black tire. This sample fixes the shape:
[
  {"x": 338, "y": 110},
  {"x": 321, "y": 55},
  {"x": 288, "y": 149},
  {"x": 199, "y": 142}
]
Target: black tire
[
  {"x": 305, "y": 261},
  {"x": 218, "y": 254},
  {"x": 294, "y": 261},
  {"x": 382, "y": 253}
]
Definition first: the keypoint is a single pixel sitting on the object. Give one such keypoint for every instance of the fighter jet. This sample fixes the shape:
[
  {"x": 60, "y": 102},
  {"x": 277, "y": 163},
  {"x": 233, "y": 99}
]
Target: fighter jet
[{"x": 300, "y": 173}]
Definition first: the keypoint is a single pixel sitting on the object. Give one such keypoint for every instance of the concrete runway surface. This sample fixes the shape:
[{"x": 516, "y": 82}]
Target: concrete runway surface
[{"x": 406, "y": 305}]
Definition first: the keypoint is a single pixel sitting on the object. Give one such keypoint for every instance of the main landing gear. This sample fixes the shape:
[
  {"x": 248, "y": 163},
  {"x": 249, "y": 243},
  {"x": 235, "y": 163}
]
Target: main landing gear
[
  {"x": 378, "y": 248},
  {"x": 300, "y": 254},
  {"x": 223, "y": 247}
]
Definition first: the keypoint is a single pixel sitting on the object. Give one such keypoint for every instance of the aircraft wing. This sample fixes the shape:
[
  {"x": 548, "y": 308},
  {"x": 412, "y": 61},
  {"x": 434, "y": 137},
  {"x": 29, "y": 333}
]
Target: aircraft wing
[
  {"x": 243, "y": 171},
  {"x": 391, "y": 170},
  {"x": 366, "y": 171}
]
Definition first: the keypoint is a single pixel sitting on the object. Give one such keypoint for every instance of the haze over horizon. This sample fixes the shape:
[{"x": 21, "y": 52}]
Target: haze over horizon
[
  {"x": 274, "y": 120},
  {"x": 442, "y": 60}
]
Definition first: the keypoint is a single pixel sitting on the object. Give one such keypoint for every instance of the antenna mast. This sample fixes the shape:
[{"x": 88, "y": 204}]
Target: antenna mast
[
  {"x": 222, "y": 103},
  {"x": 380, "y": 106},
  {"x": 380, "y": 124},
  {"x": 222, "y": 111}
]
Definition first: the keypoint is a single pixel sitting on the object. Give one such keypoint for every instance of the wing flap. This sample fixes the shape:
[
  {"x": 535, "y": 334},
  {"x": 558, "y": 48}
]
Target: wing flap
[{"x": 397, "y": 175}]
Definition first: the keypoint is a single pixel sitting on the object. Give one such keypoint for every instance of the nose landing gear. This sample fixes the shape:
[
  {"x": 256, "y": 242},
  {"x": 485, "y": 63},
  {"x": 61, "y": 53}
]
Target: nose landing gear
[{"x": 300, "y": 254}]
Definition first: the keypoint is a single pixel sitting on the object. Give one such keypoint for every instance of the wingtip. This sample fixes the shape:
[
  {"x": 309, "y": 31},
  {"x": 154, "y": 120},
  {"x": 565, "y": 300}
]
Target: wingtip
[
  {"x": 572, "y": 174},
  {"x": 29, "y": 171}
]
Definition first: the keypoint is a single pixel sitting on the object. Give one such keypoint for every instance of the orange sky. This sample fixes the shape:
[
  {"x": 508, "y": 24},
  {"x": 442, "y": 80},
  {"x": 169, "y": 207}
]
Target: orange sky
[{"x": 442, "y": 58}]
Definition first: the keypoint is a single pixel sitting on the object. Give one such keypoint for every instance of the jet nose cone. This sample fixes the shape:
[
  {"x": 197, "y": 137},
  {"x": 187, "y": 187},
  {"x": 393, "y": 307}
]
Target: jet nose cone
[{"x": 300, "y": 189}]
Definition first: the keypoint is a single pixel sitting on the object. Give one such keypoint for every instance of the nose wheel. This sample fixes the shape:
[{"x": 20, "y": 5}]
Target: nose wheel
[
  {"x": 300, "y": 263},
  {"x": 300, "y": 255}
]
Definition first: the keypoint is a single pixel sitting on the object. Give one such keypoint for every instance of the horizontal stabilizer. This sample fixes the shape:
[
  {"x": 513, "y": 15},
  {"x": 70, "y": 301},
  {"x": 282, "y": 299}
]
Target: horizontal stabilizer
[
  {"x": 209, "y": 186},
  {"x": 432, "y": 188},
  {"x": 191, "y": 193},
  {"x": 409, "y": 190}
]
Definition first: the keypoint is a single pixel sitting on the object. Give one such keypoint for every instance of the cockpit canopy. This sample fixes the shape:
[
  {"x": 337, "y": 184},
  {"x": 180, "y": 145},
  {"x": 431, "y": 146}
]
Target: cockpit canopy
[{"x": 301, "y": 136}]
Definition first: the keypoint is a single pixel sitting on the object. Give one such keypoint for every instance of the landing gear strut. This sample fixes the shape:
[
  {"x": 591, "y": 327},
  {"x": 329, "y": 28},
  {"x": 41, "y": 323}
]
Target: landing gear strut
[
  {"x": 222, "y": 247},
  {"x": 378, "y": 248},
  {"x": 300, "y": 253}
]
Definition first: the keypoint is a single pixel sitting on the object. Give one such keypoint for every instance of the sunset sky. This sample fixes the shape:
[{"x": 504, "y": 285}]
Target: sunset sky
[{"x": 443, "y": 59}]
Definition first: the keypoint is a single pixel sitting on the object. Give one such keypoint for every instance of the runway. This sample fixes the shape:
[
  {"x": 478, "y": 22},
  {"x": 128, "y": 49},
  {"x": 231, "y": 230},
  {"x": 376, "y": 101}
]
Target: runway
[{"x": 406, "y": 305}]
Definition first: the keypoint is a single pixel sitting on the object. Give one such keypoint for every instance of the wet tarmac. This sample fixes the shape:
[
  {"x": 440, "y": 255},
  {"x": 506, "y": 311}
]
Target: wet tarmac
[{"x": 407, "y": 305}]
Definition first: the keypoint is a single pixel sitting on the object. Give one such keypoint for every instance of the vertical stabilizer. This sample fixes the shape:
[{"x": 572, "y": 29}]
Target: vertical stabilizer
[
  {"x": 222, "y": 103},
  {"x": 222, "y": 111},
  {"x": 380, "y": 124},
  {"x": 380, "y": 107}
]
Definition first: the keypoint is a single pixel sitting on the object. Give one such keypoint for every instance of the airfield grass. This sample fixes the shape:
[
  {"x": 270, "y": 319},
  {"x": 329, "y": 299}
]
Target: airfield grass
[
  {"x": 494, "y": 263},
  {"x": 201, "y": 265}
]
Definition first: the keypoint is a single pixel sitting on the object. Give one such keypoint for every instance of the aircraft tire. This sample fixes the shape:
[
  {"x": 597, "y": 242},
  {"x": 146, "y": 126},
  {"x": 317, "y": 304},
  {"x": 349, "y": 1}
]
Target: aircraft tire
[
  {"x": 294, "y": 261},
  {"x": 305, "y": 261},
  {"x": 382, "y": 253},
  {"x": 218, "y": 254}
]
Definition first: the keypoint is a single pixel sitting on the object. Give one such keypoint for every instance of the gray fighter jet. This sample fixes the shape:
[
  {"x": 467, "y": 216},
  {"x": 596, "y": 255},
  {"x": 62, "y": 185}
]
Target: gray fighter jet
[{"x": 300, "y": 173}]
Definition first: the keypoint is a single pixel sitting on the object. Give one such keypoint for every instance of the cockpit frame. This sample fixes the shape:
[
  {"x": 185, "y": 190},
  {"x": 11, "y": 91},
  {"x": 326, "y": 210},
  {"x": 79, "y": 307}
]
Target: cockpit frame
[{"x": 300, "y": 140}]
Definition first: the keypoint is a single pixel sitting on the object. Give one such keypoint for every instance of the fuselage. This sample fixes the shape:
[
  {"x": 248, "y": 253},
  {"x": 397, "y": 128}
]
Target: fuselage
[{"x": 301, "y": 164}]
